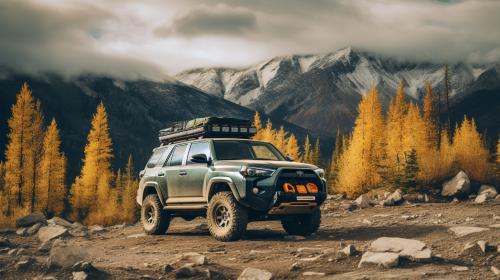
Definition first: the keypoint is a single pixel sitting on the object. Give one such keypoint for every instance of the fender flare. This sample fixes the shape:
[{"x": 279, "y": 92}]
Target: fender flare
[
  {"x": 226, "y": 180},
  {"x": 156, "y": 187}
]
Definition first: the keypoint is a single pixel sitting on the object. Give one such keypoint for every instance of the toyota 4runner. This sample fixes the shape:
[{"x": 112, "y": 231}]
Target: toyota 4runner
[{"x": 209, "y": 168}]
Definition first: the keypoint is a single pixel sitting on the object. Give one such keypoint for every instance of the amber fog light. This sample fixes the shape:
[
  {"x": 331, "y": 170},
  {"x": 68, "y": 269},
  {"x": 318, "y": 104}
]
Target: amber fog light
[
  {"x": 312, "y": 188},
  {"x": 287, "y": 187},
  {"x": 301, "y": 189}
]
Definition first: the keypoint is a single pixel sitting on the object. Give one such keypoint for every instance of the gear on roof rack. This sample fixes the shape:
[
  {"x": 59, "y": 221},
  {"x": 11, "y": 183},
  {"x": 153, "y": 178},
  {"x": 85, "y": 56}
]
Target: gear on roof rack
[{"x": 208, "y": 127}]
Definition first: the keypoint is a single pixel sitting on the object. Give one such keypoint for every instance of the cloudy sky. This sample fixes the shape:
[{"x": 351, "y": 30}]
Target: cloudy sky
[{"x": 154, "y": 38}]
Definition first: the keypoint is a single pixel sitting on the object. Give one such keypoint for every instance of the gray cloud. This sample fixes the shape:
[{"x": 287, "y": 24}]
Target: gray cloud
[
  {"x": 38, "y": 38},
  {"x": 150, "y": 38},
  {"x": 217, "y": 20}
]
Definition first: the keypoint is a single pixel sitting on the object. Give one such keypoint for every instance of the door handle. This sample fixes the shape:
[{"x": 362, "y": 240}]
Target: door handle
[
  {"x": 182, "y": 173},
  {"x": 161, "y": 174}
]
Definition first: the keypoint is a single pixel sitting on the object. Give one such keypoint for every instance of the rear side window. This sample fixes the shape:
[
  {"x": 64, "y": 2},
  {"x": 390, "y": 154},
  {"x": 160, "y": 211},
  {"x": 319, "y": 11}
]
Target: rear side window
[
  {"x": 177, "y": 155},
  {"x": 198, "y": 148},
  {"x": 153, "y": 160}
]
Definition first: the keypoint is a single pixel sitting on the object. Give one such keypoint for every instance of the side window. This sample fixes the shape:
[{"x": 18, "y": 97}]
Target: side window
[
  {"x": 177, "y": 155},
  {"x": 153, "y": 160},
  {"x": 198, "y": 148}
]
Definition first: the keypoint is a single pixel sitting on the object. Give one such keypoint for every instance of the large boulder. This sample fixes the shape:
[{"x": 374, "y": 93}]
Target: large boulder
[
  {"x": 458, "y": 186},
  {"x": 31, "y": 219},
  {"x": 51, "y": 232},
  {"x": 65, "y": 255},
  {"x": 56, "y": 221},
  {"x": 411, "y": 249},
  {"x": 255, "y": 274},
  {"x": 34, "y": 229},
  {"x": 394, "y": 198},
  {"x": 386, "y": 260}
]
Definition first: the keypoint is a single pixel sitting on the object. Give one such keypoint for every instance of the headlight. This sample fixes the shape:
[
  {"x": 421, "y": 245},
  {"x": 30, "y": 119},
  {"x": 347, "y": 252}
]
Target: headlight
[
  {"x": 320, "y": 172},
  {"x": 256, "y": 172}
]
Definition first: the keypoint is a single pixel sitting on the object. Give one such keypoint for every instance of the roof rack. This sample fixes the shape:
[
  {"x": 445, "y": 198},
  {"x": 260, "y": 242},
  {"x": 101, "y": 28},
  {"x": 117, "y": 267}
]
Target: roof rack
[{"x": 208, "y": 127}]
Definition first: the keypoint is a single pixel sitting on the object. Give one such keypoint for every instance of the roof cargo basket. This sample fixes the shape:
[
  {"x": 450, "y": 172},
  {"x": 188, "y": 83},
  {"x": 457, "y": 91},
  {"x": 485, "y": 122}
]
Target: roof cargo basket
[{"x": 209, "y": 127}]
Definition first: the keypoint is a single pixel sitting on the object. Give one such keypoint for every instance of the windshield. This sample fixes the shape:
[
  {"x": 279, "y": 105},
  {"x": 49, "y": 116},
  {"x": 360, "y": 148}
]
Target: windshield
[{"x": 234, "y": 149}]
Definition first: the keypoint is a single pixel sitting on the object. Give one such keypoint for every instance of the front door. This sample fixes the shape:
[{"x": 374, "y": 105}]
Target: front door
[
  {"x": 174, "y": 171},
  {"x": 192, "y": 184}
]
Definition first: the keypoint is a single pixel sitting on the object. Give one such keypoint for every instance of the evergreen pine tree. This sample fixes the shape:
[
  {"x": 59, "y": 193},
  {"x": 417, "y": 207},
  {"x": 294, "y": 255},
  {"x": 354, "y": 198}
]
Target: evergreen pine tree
[
  {"x": 333, "y": 168},
  {"x": 409, "y": 180}
]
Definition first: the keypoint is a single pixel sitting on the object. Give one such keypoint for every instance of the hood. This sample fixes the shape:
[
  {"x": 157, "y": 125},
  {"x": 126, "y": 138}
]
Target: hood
[{"x": 275, "y": 164}]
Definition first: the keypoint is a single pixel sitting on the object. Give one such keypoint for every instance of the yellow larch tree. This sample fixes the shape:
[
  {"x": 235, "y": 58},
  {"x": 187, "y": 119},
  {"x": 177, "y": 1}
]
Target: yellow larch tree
[
  {"x": 431, "y": 128},
  {"x": 316, "y": 153},
  {"x": 23, "y": 152},
  {"x": 307, "y": 153},
  {"x": 95, "y": 178},
  {"x": 395, "y": 130},
  {"x": 268, "y": 133},
  {"x": 130, "y": 185},
  {"x": 334, "y": 162},
  {"x": 292, "y": 147},
  {"x": 258, "y": 125},
  {"x": 359, "y": 163},
  {"x": 51, "y": 190},
  {"x": 498, "y": 157},
  {"x": 280, "y": 139},
  {"x": 446, "y": 157},
  {"x": 470, "y": 152}
]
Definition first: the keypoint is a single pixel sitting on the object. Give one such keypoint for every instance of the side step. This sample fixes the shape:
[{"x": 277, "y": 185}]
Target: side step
[{"x": 186, "y": 206}]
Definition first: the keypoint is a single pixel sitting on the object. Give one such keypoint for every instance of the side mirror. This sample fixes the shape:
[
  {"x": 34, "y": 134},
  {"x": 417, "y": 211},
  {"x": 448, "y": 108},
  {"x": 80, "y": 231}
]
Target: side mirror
[
  {"x": 289, "y": 158},
  {"x": 141, "y": 174},
  {"x": 199, "y": 158}
]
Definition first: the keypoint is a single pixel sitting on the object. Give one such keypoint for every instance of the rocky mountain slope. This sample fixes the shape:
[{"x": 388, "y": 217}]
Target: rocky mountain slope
[
  {"x": 321, "y": 92},
  {"x": 136, "y": 111}
]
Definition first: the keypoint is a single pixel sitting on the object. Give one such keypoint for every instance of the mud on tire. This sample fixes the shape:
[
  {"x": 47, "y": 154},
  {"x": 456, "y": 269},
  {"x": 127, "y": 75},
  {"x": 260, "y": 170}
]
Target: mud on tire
[
  {"x": 227, "y": 219},
  {"x": 304, "y": 225},
  {"x": 154, "y": 219}
]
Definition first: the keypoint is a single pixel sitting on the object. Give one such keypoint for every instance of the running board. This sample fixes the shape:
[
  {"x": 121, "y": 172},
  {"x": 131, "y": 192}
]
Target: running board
[{"x": 186, "y": 206}]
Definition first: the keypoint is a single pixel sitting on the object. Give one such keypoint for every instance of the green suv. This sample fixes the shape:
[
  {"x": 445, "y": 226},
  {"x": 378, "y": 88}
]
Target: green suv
[{"x": 230, "y": 181}]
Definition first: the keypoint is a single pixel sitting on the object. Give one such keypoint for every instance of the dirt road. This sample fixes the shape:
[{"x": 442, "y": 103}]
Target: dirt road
[{"x": 126, "y": 253}]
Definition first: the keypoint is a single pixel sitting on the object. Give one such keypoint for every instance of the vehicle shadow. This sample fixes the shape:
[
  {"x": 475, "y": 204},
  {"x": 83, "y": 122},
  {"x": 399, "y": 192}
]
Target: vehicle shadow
[{"x": 361, "y": 233}]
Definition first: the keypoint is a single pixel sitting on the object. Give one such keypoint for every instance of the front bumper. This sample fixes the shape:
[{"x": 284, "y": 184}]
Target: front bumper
[{"x": 273, "y": 200}]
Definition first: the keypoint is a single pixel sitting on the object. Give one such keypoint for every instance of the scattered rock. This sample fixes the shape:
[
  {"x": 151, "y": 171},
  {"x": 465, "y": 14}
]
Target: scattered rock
[
  {"x": 80, "y": 275},
  {"x": 349, "y": 250},
  {"x": 459, "y": 268},
  {"x": 461, "y": 231},
  {"x": 495, "y": 226},
  {"x": 137, "y": 235},
  {"x": 21, "y": 231},
  {"x": 186, "y": 271},
  {"x": 295, "y": 266},
  {"x": 78, "y": 232},
  {"x": 459, "y": 185},
  {"x": 386, "y": 260},
  {"x": 363, "y": 201},
  {"x": 294, "y": 237},
  {"x": 347, "y": 205},
  {"x": 57, "y": 221},
  {"x": 482, "y": 245},
  {"x": 312, "y": 273},
  {"x": 45, "y": 247},
  {"x": 367, "y": 222},
  {"x": 495, "y": 270},
  {"x": 51, "y": 232},
  {"x": 255, "y": 274},
  {"x": 412, "y": 249},
  {"x": 95, "y": 229},
  {"x": 31, "y": 219},
  {"x": 23, "y": 265},
  {"x": 193, "y": 258},
  {"x": 394, "y": 198},
  {"x": 4, "y": 250},
  {"x": 167, "y": 268},
  {"x": 481, "y": 198},
  {"x": 490, "y": 191},
  {"x": 65, "y": 254},
  {"x": 20, "y": 252},
  {"x": 12, "y": 252},
  {"x": 311, "y": 259},
  {"x": 4, "y": 242},
  {"x": 217, "y": 249},
  {"x": 34, "y": 229}
]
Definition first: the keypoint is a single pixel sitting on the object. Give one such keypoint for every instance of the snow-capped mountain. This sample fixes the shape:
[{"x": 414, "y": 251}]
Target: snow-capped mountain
[{"x": 321, "y": 92}]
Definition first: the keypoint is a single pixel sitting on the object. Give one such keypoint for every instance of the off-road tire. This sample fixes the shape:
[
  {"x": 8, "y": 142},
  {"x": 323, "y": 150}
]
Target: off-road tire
[
  {"x": 237, "y": 217},
  {"x": 159, "y": 221},
  {"x": 303, "y": 225}
]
